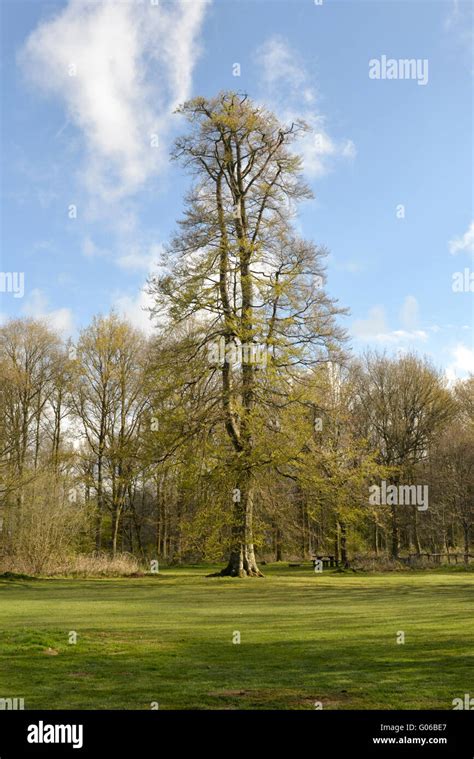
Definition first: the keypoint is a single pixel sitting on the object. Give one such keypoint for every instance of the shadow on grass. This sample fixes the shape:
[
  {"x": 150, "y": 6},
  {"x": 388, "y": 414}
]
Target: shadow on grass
[{"x": 280, "y": 674}]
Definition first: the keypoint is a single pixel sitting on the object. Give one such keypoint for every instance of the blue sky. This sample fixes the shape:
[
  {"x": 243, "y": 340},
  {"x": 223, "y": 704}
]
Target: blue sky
[{"x": 88, "y": 201}]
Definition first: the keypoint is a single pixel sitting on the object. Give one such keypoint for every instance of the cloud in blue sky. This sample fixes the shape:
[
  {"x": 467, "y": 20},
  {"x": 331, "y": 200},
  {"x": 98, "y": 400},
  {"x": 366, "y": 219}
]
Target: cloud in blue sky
[
  {"x": 120, "y": 69},
  {"x": 374, "y": 328},
  {"x": 289, "y": 90},
  {"x": 465, "y": 243}
]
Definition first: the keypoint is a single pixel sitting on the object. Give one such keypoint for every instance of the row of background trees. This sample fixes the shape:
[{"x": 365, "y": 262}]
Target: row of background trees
[{"x": 102, "y": 449}]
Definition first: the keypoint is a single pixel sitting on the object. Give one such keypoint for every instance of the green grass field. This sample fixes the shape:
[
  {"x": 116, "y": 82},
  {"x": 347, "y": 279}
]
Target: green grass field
[{"x": 304, "y": 638}]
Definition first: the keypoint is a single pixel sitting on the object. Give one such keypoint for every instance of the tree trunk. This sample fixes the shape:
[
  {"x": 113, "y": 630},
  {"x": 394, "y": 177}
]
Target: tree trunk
[
  {"x": 98, "y": 530},
  {"x": 466, "y": 543},
  {"x": 164, "y": 533},
  {"x": 416, "y": 539},
  {"x": 115, "y": 521},
  {"x": 394, "y": 551},
  {"x": 98, "y": 519},
  {"x": 117, "y": 513},
  {"x": 303, "y": 528},
  {"x": 376, "y": 537},
  {"x": 343, "y": 534},
  {"x": 278, "y": 545},
  {"x": 242, "y": 562}
]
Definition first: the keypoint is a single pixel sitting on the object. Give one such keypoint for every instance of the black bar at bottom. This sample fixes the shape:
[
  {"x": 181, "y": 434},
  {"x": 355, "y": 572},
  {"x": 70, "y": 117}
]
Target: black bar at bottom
[{"x": 257, "y": 733}]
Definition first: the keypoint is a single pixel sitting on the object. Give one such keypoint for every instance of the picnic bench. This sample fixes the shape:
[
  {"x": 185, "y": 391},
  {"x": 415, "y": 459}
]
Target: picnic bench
[{"x": 327, "y": 559}]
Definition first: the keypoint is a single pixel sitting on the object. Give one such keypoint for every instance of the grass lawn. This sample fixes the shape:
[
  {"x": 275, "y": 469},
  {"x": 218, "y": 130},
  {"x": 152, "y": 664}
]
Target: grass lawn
[{"x": 304, "y": 638}]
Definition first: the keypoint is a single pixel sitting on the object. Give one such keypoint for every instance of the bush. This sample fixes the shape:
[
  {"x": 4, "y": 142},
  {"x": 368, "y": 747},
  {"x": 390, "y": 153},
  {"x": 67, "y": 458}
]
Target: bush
[
  {"x": 102, "y": 565},
  {"x": 42, "y": 528}
]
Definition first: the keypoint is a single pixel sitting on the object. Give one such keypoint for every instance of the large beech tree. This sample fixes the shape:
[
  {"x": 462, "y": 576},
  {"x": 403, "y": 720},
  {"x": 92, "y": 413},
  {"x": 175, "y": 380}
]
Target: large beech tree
[{"x": 250, "y": 287}]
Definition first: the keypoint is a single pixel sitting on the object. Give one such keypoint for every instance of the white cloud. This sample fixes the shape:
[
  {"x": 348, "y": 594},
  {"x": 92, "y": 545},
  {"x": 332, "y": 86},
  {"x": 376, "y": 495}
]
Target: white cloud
[
  {"x": 131, "y": 254},
  {"x": 135, "y": 309},
  {"x": 459, "y": 26},
  {"x": 120, "y": 68},
  {"x": 453, "y": 15},
  {"x": 353, "y": 267},
  {"x": 374, "y": 324},
  {"x": 135, "y": 258},
  {"x": 288, "y": 90},
  {"x": 464, "y": 243},
  {"x": 280, "y": 65},
  {"x": 375, "y": 328},
  {"x": 403, "y": 334},
  {"x": 409, "y": 312},
  {"x": 43, "y": 246},
  {"x": 60, "y": 319},
  {"x": 462, "y": 363},
  {"x": 348, "y": 149},
  {"x": 91, "y": 250}
]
